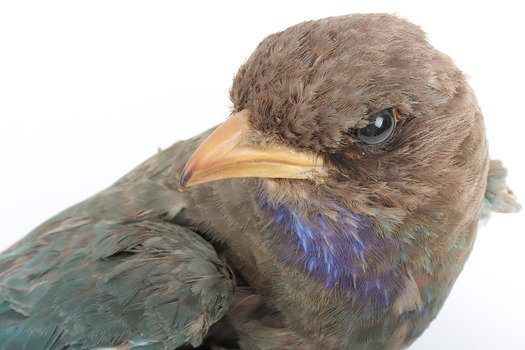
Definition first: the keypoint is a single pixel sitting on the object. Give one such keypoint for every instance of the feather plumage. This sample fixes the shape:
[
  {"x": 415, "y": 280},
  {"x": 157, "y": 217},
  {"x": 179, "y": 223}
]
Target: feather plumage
[{"x": 359, "y": 255}]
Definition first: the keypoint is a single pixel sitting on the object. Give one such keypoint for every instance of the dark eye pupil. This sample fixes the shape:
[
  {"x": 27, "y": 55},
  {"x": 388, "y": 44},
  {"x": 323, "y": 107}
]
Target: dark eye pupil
[{"x": 380, "y": 128}]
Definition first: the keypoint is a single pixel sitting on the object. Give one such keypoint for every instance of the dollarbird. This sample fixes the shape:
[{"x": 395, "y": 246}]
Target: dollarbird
[{"x": 334, "y": 209}]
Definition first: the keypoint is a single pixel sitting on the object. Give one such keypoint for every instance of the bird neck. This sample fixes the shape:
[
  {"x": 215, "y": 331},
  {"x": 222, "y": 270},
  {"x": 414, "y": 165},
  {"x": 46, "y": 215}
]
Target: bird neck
[{"x": 332, "y": 245}]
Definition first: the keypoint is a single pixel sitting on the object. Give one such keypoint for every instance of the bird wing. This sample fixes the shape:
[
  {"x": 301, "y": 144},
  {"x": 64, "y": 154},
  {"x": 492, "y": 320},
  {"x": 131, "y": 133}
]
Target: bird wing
[
  {"x": 498, "y": 196},
  {"x": 109, "y": 279}
]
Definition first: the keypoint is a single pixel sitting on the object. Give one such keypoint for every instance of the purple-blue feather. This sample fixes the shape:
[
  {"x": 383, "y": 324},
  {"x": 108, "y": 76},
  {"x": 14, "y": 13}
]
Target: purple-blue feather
[{"x": 338, "y": 250}]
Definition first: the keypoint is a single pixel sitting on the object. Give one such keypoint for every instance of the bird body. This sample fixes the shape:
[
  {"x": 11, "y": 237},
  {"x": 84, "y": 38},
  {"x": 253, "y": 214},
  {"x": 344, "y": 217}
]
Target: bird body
[{"x": 333, "y": 210}]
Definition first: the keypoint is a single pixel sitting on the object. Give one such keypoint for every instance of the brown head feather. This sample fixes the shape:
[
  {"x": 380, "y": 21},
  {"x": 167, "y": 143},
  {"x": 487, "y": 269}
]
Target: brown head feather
[{"x": 313, "y": 85}]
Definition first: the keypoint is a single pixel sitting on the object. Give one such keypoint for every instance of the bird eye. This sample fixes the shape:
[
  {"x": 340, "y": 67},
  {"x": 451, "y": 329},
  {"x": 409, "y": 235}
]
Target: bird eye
[{"x": 379, "y": 129}]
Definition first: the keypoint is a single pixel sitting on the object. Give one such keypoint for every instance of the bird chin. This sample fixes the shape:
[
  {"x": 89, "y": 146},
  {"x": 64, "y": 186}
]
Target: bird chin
[{"x": 287, "y": 190}]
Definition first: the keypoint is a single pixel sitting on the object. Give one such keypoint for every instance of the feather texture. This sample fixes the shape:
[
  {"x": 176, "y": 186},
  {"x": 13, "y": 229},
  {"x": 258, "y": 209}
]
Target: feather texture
[{"x": 359, "y": 256}]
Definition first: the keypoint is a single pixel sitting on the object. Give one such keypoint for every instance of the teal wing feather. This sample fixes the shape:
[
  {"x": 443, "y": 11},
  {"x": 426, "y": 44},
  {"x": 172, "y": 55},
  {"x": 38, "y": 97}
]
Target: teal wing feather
[
  {"x": 498, "y": 196},
  {"x": 89, "y": 283}
]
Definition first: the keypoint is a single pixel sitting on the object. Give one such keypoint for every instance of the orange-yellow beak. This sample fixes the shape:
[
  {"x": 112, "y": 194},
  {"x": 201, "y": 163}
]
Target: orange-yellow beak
[{"x": 227, "y": 153}]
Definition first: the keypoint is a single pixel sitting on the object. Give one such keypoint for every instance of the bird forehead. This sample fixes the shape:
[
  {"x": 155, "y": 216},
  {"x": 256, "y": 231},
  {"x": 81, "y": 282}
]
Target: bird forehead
[{"x": 311, "y": 83}]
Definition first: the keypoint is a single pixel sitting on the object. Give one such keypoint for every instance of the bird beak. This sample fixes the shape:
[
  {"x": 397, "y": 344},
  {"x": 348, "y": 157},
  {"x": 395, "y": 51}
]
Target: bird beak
[{"x": 227, "y": 153}]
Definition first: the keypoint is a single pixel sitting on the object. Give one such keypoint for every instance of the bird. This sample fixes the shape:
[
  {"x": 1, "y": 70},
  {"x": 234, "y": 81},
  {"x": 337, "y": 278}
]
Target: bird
[{"x": 333, "y": 209}]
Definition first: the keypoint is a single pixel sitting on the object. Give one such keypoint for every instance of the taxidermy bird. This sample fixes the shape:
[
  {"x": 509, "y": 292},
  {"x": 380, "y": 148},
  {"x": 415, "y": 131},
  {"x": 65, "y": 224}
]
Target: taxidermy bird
[{"x": 334, "y": 209}]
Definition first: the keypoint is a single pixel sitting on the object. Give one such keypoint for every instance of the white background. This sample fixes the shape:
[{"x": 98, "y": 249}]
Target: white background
[{"x": 88, "y": 90}]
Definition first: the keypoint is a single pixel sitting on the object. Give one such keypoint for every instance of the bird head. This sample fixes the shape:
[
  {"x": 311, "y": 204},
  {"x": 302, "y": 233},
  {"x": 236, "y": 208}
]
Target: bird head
[{"x": 360, "y": 109}]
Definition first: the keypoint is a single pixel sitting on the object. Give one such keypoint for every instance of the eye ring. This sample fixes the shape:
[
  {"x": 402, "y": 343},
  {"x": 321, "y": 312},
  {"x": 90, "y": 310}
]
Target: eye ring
[{"x": 380, "y": 128}]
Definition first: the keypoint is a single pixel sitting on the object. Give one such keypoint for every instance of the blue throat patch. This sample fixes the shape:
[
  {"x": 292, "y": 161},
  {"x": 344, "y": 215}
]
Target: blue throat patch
[{"x": 339, "y": 250}]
